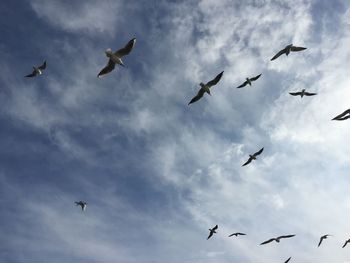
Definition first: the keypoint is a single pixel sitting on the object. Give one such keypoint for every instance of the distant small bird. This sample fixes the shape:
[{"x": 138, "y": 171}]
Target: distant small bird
[
  {"x": 277, "y": 239},
  {"x": 302, "y": 93},
  {"x": 37, "y": 70},
  {"x": 82, "y": 204},
  {"x": 237, "y": 234},
  {"x": 116, "y": 57},
  {"x": 248, "y": 81},
  {"x": 253, "y": 157},
  {"x": 287, "y": 50},
  {"x": 212, "y": 231},
  {"x": 343, "y": 116},
  {"x": 205, "y": 88},
  {"x": 346, "y": 242},
  {"x": 321, "y": 239},
  {"x": 287, "y": 260}
]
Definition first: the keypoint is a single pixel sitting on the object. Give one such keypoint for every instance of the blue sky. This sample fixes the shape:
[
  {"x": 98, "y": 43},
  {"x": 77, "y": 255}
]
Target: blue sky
[{"x": 155, "y": 172}]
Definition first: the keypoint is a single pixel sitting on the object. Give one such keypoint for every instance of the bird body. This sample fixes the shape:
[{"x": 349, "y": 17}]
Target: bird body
[
  {"x": 37, "y": 70},
  {"x": 205, "y": 88},
  {"x": 116, "y": 57},
  {"x": 302, "y": 93},
  {"x": 322, "y": 238},
  {"x": 287, "y": 50},
  {"x": 212, "y": 231},
  {"x": 253, "y": 156}
]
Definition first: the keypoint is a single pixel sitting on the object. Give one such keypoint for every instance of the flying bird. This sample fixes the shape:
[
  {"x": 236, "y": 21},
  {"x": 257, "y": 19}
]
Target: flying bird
[
  {"x": 287, "y": 260},
  {"x": 82, "y": 204},
  {"x": 343, "y": 116},
  {"x": 205, "y": 88},
  {"x": 248, "y": 81},
  {"x": 321, "y": 239},
  {"x": 253, "y": 157},
  {"x": 37, "y": 70},
  {"x": 287, "y": 50},
  {"x": 346, "y": 242},
  {"x": 116, "y": 57},
  {"x": 302, "y": 93},
  {"x": 237, "y": 234},
  {"x": 212, "y": 231},
  {"x": 277, "y": 239}
]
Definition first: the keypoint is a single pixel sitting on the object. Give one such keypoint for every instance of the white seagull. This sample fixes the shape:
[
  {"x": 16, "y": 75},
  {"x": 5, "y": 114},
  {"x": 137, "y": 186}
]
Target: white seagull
[
  {"x": 116, "y": 57},
  {"x": 302, "y": 93},
  {"x": 287, "y": 50},
  {"x": 253, "y": 156},
  {"x": 37, "y": 70},
  {"x": 248, "y": 81},
  {"x": 82, "y": 204},
  {"x": 205, "y": 88}
]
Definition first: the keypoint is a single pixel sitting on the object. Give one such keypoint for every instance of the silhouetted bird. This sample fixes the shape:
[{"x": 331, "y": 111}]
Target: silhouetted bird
[
  {"x": 253, "y": 157},
  {"x": 82, "y": 204},
  {"x": 248, "y": 81},
  {"x": 346, "y": 242},
  {"x": 287, "y": 50},
  {"x": 277, "y": 239},
  {"x": 116, "y": 57},
  {"x": 37, "y": 70},
  {"x": 205, "y": 88},
  {"x": 212, "y": 231},
  {"x": 343, "y": 116},
  {"x": 237, "y": 234},
  {"x": 302, "y": 93},
  {"x": 321, "y": 239}
]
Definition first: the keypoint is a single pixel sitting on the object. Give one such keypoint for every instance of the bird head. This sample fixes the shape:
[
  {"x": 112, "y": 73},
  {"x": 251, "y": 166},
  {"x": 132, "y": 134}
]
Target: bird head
[{"x": 108, "y": 52}]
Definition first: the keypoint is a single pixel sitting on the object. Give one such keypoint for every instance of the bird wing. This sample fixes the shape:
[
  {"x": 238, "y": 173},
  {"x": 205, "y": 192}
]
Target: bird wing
[
  {"x": 346, "y": 242},
  {"x": 268, "y": 241},
  {"x": 247, "y": 162},
  {"x": 279, "y": 54},
  {"x": 309, "y": 94},
  {"x": 33, "y": 74},
  {"x": 216, "y": 80},
  {"x": 198, "y": 96},
  {"x": 232, "y": 235},
  {"x": 259, "y": 152},
  {"x": 287, "y": 236},
  {"x": 241, "y": 234},
  {"x": 242, "y": 85},
  {"x": 295, "y": 93},
  {"x": 293, "y": 48},
  {"x": 255, "y": 78},
  {"x": 127, "y": 49},
  {"x": 319, "y": 244},
  {"x": 287, "y": 260},
  {"x": 338, "y": 117},
  {"x": 110, "y": 66},
  {"x": 43, "y": 66},
  {"x": 215, "y": 227}
]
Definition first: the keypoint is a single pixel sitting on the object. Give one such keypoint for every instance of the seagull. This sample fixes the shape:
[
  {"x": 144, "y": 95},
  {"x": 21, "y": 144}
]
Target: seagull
[
  {"x": 346, "y": 242},
  {"x": 302, "y": 93},
  {"x": 205, "y": 88},
  {"x": 82, "y": 204},
  {"x": 248, "y": 81},
  {"x": 287, "y": 50},
  {"x": 253, "y": 157},
  {"x": 212, "y": 231},
  {"x": 277, "y": 239},
  {"x": 116, "y": 57},
  {"x": 237, "y": 234},
  {"x": 342, "y": 117},
  {"x": 37, "y": 70},
  {"x": 287, "y": 260},
  {"x": 321, "y": 239}
]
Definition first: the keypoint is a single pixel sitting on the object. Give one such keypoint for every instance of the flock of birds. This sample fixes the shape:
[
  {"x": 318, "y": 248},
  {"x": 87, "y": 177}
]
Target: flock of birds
[{"x": 116, "y": 58}]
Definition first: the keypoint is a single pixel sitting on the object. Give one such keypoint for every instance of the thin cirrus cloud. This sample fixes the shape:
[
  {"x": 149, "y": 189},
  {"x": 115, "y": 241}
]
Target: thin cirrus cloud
[{"x": 157, "y": 173}]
